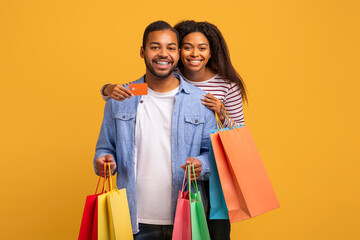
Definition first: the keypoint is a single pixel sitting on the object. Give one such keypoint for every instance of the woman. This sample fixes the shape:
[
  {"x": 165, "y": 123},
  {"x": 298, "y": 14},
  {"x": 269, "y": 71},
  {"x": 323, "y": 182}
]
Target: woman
[{"x": 205, "y": 63}]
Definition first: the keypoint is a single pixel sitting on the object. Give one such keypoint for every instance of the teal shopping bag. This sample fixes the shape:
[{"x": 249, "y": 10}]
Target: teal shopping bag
[
  {"x": 218, "y": 209},
  {"x": 199, "y": 228}
]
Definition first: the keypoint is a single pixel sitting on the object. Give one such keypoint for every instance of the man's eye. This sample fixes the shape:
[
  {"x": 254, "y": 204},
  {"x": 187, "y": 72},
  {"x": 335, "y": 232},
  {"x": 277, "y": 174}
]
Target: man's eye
[
  {"x": 172, "y": 49},
  {"x": 153, "y": 47}
]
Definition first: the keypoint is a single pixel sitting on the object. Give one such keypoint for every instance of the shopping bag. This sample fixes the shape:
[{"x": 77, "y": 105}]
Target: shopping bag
[
  {"x": 104, "y": 228},
  {"x": 94, "y": 232},
  {"x": 89, "y": 219},
  {"x": 218, "y": 209},
  {"x": 199, "y": 228},
  {"x": 118, "y": 213},
  {"x": 182, "y": 222},
  {"x": 103, "y": 218},
  {"x": 247, "y": 188}
]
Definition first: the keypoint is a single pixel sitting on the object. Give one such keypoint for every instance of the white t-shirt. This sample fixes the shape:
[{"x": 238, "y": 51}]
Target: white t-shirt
[{"x": 153, "y": 157}]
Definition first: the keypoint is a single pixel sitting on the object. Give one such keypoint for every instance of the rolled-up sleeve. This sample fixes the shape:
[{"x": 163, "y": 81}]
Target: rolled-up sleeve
[{"x": 106, "y": 141}]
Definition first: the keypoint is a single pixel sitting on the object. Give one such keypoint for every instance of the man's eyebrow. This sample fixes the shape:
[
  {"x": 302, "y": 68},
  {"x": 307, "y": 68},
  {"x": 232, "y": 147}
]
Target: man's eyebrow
[{"x": 157, "y": 43}]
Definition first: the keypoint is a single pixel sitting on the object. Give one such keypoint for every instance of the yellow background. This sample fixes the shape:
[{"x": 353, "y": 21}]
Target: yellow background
[{"x": 300, "y": 60}]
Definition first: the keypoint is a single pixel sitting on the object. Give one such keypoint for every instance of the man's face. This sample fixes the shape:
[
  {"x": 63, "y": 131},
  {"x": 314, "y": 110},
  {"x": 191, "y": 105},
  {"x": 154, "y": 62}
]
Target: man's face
[{"x": 161, "y": 53}]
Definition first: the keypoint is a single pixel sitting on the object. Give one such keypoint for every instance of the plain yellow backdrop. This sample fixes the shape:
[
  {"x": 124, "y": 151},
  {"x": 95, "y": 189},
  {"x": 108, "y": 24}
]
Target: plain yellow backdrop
[{"x": 300, "y": 60}]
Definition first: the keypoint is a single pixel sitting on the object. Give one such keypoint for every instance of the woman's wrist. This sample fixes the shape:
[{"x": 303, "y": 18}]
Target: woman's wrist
[
  {"x": 105, "y": 89},
  {"x": 221, "y": 116}
]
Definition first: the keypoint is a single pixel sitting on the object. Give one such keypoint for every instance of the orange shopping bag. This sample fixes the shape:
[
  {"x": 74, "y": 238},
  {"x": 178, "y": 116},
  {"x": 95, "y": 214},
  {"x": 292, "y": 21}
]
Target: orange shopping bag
[{"x": 246, "y": 186}]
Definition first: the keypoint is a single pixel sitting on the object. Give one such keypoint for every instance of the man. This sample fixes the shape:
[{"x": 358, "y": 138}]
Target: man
[{"x": 148, "y": 139}]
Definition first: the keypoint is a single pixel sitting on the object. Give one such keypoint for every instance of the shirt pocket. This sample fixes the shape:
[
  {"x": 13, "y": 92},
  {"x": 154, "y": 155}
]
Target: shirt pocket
[
  {"x": 125, "y": 126},
  {"x": 193, "y": 129}
]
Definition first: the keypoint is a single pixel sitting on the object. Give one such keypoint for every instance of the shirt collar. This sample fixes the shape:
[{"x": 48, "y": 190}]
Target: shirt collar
[{"x": 184, "y": 86}]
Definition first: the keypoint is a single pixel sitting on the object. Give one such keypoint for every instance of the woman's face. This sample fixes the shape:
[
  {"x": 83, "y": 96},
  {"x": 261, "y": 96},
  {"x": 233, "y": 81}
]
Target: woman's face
[{"x": 195, "y": 51}]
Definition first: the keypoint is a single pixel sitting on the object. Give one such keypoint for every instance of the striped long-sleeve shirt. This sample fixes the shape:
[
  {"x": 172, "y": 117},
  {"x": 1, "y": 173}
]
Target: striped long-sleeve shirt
[{"x": 228, "y": 93}]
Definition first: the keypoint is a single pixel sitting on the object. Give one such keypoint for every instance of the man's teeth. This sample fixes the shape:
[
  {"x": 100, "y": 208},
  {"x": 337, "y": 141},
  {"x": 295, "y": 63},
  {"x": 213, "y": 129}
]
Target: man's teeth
[{"x": 162, "y": 63}]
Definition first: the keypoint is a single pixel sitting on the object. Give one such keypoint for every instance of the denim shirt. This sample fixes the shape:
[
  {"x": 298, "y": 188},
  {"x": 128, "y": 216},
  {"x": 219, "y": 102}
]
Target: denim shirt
[{"x": 190, "y": 137}]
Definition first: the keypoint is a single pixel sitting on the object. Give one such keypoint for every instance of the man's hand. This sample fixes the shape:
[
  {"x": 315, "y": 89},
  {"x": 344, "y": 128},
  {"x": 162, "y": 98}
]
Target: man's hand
[
  {"x": 117, "y": 92},
  {"x": 99, "y": 162},
  {"x": 197, "y": 167}
]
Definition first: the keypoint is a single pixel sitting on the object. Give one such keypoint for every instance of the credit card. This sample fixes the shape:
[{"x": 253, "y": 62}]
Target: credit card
[{"x": 138, "y": 88}]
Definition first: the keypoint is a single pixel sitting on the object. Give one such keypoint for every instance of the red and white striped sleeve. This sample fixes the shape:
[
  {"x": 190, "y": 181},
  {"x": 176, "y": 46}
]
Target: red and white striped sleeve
[{"x": 234, "y": 104}]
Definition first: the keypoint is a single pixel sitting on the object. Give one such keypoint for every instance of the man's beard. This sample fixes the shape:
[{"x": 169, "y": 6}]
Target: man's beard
[{"x": 159, "y": 74}]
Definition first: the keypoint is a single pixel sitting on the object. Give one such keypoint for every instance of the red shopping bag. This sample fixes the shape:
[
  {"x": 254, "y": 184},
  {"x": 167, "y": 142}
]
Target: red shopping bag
[
  {"x": 89, "y": 219},
  {"x": 182, "y": 222},
  {"x": 246, "y": 185}
]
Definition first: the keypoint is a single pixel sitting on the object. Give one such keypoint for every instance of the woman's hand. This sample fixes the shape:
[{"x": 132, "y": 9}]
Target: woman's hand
[
  {"x": 117, "y": 92},
  {"x": 214, "y": 104}
]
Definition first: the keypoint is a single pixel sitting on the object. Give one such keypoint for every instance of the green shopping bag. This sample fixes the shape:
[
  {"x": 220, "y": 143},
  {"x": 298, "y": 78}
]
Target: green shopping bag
[{"x": 199, "y": 228}]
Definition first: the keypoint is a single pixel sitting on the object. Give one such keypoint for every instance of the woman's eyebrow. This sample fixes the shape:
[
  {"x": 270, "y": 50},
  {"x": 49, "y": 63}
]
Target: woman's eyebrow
[{"x": 198, "y": 44}]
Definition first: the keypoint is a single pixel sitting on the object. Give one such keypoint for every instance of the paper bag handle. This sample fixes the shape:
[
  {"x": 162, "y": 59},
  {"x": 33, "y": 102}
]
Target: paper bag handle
[
  {"x": 227, "y": 115},
  {"x": 194, "y": 182}
]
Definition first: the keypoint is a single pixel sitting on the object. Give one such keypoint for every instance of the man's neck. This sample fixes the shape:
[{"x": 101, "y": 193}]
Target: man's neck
[{"x": 161, "y": 85}]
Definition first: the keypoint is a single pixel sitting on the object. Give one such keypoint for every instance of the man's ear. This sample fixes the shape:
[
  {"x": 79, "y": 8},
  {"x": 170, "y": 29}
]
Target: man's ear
[{"x": 142, "y": 52}]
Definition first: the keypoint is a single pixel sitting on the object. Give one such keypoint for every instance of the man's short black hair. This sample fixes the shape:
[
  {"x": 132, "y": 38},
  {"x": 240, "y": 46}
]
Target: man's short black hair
[{"x": 158, "y": 26}]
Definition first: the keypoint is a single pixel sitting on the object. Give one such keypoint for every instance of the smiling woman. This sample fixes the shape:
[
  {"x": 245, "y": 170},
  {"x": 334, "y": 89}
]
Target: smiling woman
[
  {"x": 195, "y": 54},
  {"x": 205, "y": 63}
]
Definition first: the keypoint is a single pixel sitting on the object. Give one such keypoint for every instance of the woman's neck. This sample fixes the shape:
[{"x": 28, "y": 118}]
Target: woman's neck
[{"x": 198, "y": 76}]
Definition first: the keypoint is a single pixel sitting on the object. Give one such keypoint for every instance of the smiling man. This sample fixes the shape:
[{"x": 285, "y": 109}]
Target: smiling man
[{"x": 149, "y": 139}]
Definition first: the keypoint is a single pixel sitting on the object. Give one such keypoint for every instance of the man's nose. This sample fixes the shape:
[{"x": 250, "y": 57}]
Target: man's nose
[{"x": 163, "y": 52}]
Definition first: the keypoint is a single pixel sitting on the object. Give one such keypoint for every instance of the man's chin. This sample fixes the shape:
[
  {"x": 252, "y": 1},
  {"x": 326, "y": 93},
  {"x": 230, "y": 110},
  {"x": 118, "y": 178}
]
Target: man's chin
[{"x": 162, "y": 74}]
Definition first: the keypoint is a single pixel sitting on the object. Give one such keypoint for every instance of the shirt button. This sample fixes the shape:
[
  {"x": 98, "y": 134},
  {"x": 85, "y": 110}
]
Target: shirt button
[
  {"x": 196, "y": 121},
  {"x": 123, "y": 116},
  {"x": 141, "y": 101}
]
